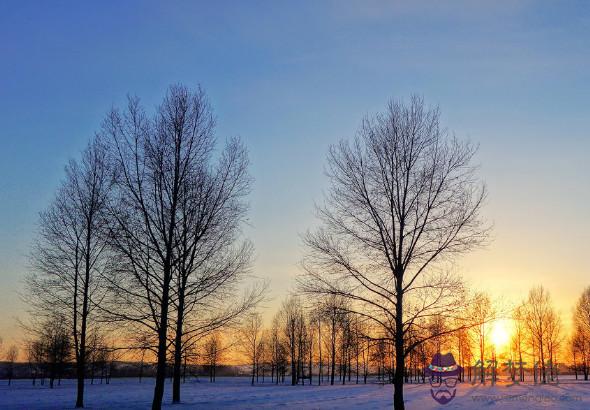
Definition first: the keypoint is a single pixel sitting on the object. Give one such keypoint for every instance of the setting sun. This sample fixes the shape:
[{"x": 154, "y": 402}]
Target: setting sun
[{"x": 500, "y": 334}]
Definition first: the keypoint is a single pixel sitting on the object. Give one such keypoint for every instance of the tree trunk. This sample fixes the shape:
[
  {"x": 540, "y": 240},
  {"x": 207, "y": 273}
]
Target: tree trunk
[
  {"x": 357, "y": 362},
  {"x": 141, "y": 365},
  {"x": 184, "y": 369},
  {"x": 398, "y": 378},
  {"x": 575, "y": 366},
  {"x": 333, "y": 353},
  {"x": 176, "y": 372},
  {"x": 542, "y": 354},
  {"x": 162, "y": 341},
  {"x": 293, "y": 365},
  {"x": 521, "y": 371},
  {"x": 320, "y": 375},
  {"x": 481, "y": 362},
  {"x": 254, "y": 371},
  {"x": 82, "y": 355}
]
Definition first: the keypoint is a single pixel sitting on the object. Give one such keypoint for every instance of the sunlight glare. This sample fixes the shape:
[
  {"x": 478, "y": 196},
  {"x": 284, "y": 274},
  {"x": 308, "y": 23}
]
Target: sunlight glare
[{"x": 500, "y": 334}]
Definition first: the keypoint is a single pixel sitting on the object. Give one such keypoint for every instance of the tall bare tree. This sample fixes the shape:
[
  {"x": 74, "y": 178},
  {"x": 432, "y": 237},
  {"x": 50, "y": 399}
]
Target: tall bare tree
[
  {"x": 177, "y": 214},
  {"x": 69, "y": 256},
  {"x": 210, "y": 261},
  {"x": 404, "y": 198},
  {"x": 154, "y": 160}
]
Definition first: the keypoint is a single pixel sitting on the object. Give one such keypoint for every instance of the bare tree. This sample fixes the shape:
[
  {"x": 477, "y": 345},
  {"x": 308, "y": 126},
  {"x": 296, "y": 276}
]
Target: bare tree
[
  {"x": 553, "y": 341},
  {"x": 31, "y": 361},
  {"x": 70, "y": 253},
  {"x": 518, "y": 337},
  {"x": 404, "y": 198},
  {"x": 263, "y": 355},
  {"x": 482, "y": 313},
  {"x": 581, "y": 347},
  {"x": 251, "y": 333},
  {"x": 464, "y": 351},
  {"x": 581, "y": 337},
  {"x": 99, "y": 355},
  {"x": 51, "y": 346},
  {"x": 210, "y": 264},
  {"x": 213, "y": 351},
  {"x": 292, "y": 318},
  {"x": 154, "y": 158},
  {"x": 176, "y": 223},
  {"x": 331, "y": 309},
  {"x": 278, "y": 354},
  {"x": 538, "y": 312},
  {"x": 11, "y": 357}
]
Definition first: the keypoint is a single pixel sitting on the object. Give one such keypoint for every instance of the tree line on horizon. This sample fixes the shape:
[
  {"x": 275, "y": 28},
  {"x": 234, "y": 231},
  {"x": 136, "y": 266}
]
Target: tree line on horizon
[
  {"x": 143, "y": 242},
  {"x": 324, "y": 342}
]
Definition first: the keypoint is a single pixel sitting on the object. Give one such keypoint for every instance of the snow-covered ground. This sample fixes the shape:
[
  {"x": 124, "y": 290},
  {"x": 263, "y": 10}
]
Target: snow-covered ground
[{"x": 236, "y": 393}]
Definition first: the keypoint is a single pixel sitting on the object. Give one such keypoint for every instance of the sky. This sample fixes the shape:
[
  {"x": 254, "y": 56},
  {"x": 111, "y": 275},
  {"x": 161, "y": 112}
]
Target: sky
[{"x": 291, "y": 78}]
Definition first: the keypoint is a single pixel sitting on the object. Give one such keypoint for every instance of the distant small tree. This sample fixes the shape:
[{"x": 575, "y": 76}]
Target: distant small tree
[
  {"x": 11, "y": 356},
  {"x": 580, "y": 350},
  {"x": 581, "y": 338},
  {"x": 251, "y": 333},
  {"x": 264, "y": 355},
  {"x": 538, "y": 316},
  {"x": 36, "y": 358},
  {"x": 553, "y": 341},
  {"x": 99, "y": 356},
  {"x": 482, "y": 313},
  {"x": 213, "y": 354},
  {"x": 278, "y": 350},
  {"x": 143, "y": 342},
  {"x": 52, "y": 348},
  {"x": 292, "y": 317},
  {"x": 31, "y": 363},
  {"x": 331, "y": 309},
  {"x": 518, "y": 337}
]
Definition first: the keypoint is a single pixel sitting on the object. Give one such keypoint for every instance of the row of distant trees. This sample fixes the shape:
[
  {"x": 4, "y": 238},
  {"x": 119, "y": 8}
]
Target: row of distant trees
[
  {"x": 143, "y": 242},
  {"x": 325, "y": 343},
  {"x": 49, "y": 355}
]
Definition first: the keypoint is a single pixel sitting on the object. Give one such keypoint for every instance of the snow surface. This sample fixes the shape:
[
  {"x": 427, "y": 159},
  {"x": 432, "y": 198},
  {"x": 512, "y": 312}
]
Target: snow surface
[{"x": 236, "y": 393}]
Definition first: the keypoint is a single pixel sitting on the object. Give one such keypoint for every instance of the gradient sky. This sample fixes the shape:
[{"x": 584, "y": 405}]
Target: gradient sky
[{"x": 291, "y": 78}]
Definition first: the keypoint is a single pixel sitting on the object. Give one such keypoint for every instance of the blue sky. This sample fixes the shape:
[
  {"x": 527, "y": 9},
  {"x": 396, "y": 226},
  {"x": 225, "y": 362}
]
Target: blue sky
[{"x": 291, "y": 78}]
